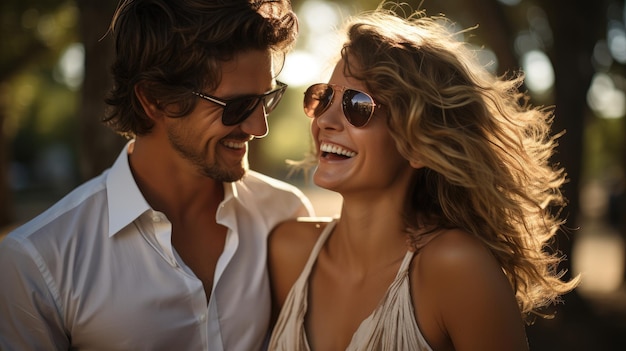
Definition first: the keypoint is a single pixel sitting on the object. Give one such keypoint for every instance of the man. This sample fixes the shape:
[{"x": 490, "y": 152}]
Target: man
[{"x": 166, "y": 250}]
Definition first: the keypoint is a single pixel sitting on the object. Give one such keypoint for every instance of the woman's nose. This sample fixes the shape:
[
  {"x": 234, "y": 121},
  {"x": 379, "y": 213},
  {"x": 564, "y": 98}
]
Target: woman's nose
[{"x": 332, "y": 118}]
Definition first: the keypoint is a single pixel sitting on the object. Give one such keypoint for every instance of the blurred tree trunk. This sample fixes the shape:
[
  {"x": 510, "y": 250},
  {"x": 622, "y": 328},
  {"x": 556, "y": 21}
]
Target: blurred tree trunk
[
  {"x": 13, "y": 61},
  {"x": 6, "y": 208},
  {"x": 576, "y": 27},
  {"x": 99, "y": 146}
]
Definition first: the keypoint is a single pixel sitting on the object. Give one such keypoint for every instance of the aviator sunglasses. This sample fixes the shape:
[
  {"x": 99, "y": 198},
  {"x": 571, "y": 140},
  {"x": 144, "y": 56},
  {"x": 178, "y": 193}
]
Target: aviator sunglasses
[
  {"x": 358, "y": 107},
  {"x": 238, "y": 109}
]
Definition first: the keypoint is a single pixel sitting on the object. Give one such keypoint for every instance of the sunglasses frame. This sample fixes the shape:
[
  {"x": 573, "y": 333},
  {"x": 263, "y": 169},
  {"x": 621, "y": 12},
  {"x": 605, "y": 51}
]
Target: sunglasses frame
[
  {"x": 344, "y": 90},
  {"x": 279, "y": 90}
]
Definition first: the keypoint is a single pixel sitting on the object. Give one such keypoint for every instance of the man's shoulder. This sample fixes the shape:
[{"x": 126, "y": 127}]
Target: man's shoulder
[
  {"x": 66, "y": 212},
  {"x": 256, "y": 181},
  {"x": 271, "y": 195}
]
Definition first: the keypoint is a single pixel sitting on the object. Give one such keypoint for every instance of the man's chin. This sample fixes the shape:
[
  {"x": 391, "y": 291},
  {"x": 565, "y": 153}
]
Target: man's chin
[
  {"x": 227, "y": 176},
  {"x": 234, "y": 179}
]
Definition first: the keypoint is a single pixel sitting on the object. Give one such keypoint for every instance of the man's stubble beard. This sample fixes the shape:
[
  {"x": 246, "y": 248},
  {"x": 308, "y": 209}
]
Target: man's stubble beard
[{"x": 214, "y": 171}]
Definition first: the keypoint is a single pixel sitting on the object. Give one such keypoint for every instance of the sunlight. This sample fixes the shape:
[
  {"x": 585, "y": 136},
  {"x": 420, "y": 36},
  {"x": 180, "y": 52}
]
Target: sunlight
[
  {"x": 301, "y": 68},
  {"x": 319, "y": 16},
  {"x": 616, "y": 38},
  {"x": 510, "y": 2},
  {"x": 602, "y": 55},
  {"x": 71, "y": 66},
  {"x": 538, "y": 70},
  {"x": 488, "y": 59},
  {"x": 598, "y": 252},
  {"x": 605, "y": 99},
  {"x": 599, "y": 258},
  {"x": 312, "y": 60}
]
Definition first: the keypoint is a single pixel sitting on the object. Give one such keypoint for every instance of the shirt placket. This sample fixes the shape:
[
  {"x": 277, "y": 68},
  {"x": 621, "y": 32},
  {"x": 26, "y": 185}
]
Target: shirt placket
[{"x": 160, "y": 240}]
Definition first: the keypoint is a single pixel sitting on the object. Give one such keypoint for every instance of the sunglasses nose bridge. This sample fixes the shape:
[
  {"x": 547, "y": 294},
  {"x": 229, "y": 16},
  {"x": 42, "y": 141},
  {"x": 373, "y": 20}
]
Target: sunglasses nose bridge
[
  {"x": 336, "y": 92},
  {"x": 356, "y": 106},
  {"x": 332, "y": 115}
]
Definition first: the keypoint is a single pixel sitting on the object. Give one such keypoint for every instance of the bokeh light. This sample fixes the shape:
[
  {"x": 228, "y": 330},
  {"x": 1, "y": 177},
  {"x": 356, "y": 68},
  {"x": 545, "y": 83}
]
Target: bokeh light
[
  {"x": 539, "y": 71},
  {"x": 604, "y": 98}
]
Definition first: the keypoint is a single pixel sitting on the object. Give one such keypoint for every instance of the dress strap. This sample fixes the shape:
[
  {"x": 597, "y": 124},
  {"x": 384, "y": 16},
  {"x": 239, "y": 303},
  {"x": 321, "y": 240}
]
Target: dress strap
[
  {"x": 317, "y": 248},
  {"x": 404, "y": 267}
]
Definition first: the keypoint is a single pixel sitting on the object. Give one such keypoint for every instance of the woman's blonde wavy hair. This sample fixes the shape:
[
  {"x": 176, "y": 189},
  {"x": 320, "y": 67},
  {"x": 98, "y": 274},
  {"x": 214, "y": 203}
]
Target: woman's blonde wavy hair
[{"x": 485, "y": 150}]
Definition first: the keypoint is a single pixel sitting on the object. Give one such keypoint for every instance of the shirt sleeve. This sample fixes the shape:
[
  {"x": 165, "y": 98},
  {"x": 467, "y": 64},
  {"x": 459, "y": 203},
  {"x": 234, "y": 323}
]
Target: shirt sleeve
[
  {"x": 306, "y": 208},
  {"x": 30, "y": 316}
]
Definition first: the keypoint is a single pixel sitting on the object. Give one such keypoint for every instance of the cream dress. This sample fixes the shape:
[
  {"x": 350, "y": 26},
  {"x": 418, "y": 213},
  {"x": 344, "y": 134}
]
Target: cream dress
[{"x": 391, "y": 327}]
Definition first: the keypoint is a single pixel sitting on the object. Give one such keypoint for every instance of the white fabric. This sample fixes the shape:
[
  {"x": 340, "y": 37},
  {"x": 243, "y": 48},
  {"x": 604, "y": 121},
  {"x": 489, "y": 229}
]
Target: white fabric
[
  {"x": 391, "y": 327},
  {"x": 97, "y": 271}
]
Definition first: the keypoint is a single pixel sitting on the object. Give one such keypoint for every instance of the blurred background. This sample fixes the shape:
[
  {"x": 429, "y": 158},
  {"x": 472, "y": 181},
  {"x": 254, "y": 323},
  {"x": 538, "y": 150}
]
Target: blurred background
[{"x": 54, "y": 65}]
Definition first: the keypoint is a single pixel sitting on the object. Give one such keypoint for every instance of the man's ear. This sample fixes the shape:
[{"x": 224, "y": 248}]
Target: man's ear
[{"x": 149, "y": 104}]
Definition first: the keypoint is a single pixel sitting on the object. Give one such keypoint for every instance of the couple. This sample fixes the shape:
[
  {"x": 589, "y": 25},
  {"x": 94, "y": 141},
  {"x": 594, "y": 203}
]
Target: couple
[{"x": 444, "y": 177}]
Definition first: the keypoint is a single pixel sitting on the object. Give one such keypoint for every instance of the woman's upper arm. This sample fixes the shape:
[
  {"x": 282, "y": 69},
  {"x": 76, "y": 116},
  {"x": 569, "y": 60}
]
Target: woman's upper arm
[
  {"x": 280, "y": 253},
  {"x": 289, "y": 246}
]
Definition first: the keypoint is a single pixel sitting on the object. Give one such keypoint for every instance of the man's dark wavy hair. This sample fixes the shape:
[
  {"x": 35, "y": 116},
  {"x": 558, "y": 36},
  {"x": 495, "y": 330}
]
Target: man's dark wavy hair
[{"x": 174, "y": 47}]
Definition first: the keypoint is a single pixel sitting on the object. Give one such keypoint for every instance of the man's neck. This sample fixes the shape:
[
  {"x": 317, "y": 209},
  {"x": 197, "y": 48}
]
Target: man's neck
[{"x": 169, "y": 185}]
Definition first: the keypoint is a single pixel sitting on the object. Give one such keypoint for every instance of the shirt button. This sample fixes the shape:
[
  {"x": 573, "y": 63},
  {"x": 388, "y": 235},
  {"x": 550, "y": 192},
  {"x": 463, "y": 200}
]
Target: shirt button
[
  {"x": 202, "y": 318},
  {"x": 156, "y": 218}
]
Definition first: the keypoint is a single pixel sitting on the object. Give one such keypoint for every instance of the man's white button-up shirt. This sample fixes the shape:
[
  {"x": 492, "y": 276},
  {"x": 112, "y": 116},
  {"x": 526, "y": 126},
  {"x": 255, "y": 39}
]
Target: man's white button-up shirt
[{"x": 97, "y": 271}]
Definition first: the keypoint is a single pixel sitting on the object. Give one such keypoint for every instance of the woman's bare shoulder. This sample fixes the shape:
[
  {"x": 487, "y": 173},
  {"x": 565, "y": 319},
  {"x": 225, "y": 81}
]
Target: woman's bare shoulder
[
  {"x": 298, "y": 233},
  {"x": 470, "y": 300},
  {"x": 456, "y": 257},
  {"x": 289, "y": 247},
  {"x": 452, "y": 247}
]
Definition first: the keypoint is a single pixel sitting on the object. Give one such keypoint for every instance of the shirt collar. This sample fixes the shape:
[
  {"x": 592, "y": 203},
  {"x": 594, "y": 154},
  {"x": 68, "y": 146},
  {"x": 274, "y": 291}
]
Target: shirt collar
[
  {"x": 124, "y": 200},
  {"x": 230, "y": 191},
  {"x": 226, "y": 207}
]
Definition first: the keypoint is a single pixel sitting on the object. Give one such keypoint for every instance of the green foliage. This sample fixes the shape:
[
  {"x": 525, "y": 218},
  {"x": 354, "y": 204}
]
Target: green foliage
[
  {"x": 604, "y": 151},
  {"x": 37, "y": 110},
  {"x": 34, "y": 32}
]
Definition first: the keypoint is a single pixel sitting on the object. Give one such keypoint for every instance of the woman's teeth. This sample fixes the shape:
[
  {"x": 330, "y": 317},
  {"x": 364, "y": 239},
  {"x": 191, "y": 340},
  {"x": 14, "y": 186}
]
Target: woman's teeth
[{"x": 337, "y": 150}]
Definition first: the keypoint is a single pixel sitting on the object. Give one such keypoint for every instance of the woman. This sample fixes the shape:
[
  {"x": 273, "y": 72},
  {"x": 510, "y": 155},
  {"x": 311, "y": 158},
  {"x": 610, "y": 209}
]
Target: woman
[{"x": 448, "y": 201}]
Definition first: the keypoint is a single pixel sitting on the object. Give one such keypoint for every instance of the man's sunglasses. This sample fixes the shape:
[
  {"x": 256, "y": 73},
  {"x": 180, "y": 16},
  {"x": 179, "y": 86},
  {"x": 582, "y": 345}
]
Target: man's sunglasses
[
  {"x": 238, "y": 109},
  {"x": 358, "y": 107}
]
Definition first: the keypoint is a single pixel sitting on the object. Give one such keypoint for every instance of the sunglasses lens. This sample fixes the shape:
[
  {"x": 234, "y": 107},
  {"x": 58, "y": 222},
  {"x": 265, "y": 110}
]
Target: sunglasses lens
[
  {"x": 271, "y": 100},
  {"x": 358, "y": 107},
  {"x": 237, "y": 111},
  {"x": 317, "y": 98}
]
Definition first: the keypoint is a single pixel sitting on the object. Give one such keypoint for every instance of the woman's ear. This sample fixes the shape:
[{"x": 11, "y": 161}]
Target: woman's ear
[
  {"x": 150, "y": 106},
  {"x": 416, "y": 164}
]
